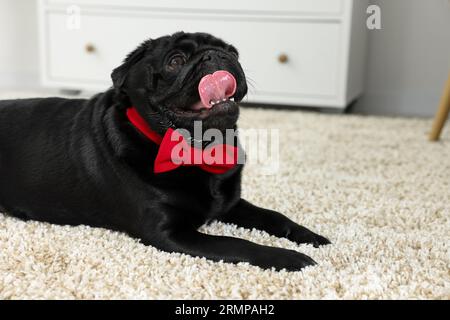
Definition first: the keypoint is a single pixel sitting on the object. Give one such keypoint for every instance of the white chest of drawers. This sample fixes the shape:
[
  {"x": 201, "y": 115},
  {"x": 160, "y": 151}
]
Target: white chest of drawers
[{"x": 294, "y": 52}]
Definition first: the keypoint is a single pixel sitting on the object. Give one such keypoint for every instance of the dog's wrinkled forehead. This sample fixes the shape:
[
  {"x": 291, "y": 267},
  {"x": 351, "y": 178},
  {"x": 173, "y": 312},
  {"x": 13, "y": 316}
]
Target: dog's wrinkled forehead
[{"x": 190, "y": 43}]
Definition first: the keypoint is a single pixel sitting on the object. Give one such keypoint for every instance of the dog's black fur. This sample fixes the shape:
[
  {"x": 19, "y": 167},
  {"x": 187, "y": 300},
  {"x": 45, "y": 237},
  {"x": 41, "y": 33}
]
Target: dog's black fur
[{"x": 76, "y": 161}]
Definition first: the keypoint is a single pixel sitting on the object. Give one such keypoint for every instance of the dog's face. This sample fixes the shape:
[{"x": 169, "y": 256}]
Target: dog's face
[{"x": 176, "y": 80}]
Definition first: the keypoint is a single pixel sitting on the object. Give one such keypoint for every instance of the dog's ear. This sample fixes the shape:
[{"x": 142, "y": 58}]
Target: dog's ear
[{"x": 120, "y": 73}]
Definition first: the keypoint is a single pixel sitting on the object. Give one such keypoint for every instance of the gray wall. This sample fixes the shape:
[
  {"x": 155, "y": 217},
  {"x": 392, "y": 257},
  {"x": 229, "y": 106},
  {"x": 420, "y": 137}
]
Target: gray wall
[
  {"x": 19, "y": 60},
  {"x": 408, "y": 59}
]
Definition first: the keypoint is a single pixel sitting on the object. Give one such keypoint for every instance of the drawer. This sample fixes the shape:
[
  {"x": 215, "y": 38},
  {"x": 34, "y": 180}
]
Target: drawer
[
  {"x": 89, "y": 54},
  {"x": 233, "y": 6},
  {"x": 312, "y": 49}
]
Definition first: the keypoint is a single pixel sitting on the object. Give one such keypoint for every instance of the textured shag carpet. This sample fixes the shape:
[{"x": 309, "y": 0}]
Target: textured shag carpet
[{"x": 374, "y": 186}]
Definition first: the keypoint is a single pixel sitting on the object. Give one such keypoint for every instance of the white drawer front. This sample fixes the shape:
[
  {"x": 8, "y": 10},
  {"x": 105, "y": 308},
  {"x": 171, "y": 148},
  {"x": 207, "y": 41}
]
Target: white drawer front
[
  {"x": 312, "y": 50},
  {"x": 67, "y": 55},
  {"x": 249, "y": 6}
]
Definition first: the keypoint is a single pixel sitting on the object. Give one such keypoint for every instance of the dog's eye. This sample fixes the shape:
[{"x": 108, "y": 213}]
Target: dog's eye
[{"x": 176, "y": 61}]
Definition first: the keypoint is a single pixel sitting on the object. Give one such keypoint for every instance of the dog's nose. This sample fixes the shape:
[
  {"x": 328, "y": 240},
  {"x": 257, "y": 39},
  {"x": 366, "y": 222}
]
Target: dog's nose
[
  {"x": 212, "y": 55},
  {"x": 207, "y": 56}
]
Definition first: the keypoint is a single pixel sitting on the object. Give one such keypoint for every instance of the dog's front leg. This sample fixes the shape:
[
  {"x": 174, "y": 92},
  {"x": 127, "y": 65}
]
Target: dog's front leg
[
  {"x": 228, "y": 249},
  {"x": 246, "y": 215}
]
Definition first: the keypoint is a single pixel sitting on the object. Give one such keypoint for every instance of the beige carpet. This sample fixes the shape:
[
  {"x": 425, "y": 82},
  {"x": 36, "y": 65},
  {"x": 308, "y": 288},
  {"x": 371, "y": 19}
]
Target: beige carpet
[{"x": 373, "y": 185}]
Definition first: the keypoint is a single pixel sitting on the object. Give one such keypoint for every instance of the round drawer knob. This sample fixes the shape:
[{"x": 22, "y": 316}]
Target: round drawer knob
[
  {"x": 283, "y": 58},
  {"x": 90, "y": 48}
]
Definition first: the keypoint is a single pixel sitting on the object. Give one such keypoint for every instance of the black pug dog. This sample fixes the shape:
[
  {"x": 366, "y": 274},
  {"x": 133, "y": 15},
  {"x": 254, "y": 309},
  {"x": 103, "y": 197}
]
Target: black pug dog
[{"x": 78, "y": 161}]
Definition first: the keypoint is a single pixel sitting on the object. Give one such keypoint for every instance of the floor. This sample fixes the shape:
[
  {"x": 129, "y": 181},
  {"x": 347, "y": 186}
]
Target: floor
[{"x": 374, "y": 186}]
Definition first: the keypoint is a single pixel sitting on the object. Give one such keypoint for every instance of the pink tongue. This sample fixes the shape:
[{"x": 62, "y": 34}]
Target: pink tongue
[{"x": 216, "y": 87}]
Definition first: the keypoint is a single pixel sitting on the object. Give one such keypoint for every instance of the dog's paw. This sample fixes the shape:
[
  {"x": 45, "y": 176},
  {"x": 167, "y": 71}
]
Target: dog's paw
[
  {"x": 301, "y": 234},
  {"x": 283, "y": 259}
]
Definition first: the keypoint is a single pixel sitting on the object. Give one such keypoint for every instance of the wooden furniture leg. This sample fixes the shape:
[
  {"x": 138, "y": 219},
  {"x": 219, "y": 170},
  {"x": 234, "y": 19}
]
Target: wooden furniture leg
[{"x": 441, "y": 114}]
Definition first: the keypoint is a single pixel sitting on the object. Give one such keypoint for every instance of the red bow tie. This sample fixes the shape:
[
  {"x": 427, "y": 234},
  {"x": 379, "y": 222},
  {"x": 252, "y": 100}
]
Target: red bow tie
[{"x": 174, "y": 151}]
